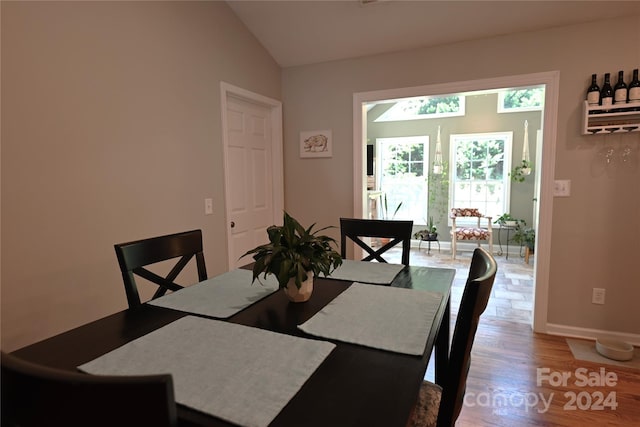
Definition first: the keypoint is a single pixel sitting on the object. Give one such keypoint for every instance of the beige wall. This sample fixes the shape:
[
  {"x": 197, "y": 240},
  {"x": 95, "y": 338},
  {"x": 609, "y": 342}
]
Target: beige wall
[
  {"x": 110, "y": 132},
  {"x": 588, "y": 248}
]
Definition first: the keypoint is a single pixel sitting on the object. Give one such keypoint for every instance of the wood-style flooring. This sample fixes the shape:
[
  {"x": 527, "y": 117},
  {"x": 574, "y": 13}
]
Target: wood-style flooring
[{"x": 507, "y": 385}]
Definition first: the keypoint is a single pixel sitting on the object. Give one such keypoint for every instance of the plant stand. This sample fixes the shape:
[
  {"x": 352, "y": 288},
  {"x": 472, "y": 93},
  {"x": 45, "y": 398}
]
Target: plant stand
[
  {"x": 508, "y": 228},
  {"x": 527, "y": 254},
  {"x": 429, "y": 239}
]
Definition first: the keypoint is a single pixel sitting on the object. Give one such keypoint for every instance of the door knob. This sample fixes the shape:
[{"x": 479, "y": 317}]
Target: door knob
[{"x": 233, "y": 224}]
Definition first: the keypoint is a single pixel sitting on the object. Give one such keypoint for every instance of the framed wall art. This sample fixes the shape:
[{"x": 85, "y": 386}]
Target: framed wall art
[{"x": 316, "y": 143}]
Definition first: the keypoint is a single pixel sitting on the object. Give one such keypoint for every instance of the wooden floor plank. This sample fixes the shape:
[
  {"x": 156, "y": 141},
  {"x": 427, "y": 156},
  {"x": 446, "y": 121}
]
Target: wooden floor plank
[{"x": 503, "y": 376}]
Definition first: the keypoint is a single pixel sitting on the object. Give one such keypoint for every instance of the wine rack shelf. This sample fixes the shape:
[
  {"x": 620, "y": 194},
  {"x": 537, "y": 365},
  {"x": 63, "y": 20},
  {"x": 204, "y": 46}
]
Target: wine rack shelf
[{"x": 611, "y": 119}]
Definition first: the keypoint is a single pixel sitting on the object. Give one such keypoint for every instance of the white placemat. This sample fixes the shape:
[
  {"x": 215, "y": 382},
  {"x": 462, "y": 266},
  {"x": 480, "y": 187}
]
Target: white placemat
[
  {"x": 241, "y": 374},
  {"x": 382, "y": 317},
  {"x": 221, "y": 296},
  {"x": 366, "y": 272}
]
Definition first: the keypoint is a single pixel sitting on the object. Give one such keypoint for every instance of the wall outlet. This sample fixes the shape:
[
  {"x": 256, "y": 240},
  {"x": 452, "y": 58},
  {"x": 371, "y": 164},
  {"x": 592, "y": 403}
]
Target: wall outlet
[
  {"x": 208, "y": 206},
  {"x": 598, "y": 296}
]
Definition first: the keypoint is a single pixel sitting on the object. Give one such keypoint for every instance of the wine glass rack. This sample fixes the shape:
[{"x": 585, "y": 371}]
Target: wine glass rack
[{"x": 611, "y": 119}]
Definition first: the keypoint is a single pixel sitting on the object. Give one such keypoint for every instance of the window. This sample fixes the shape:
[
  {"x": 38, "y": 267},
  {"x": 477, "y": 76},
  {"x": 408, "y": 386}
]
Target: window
[
  {"x": 402, "y": 165},
  {"x": 480, "y": 172},
  {"x": 424, "y": 108},
  {"x": 527, "y": 99}
]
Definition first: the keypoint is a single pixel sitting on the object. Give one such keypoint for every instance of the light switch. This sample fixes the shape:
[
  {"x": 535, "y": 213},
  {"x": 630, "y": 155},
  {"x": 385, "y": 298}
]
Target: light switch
[
  {"x": 562, "y": 188},
  {"x": 208, "y": 206}
]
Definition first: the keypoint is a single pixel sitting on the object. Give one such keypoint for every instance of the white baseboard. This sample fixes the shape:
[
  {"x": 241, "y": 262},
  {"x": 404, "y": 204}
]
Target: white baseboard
[
  {"x": 591, "y": 334},
  {"x": 514, "y": 251}
]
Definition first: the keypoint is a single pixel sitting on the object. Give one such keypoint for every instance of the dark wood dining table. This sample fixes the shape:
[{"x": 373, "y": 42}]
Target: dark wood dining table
[{"x": 354, "y": 386}]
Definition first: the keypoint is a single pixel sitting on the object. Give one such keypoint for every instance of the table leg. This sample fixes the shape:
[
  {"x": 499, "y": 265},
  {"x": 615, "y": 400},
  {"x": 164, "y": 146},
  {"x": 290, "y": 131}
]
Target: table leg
[{"x": 442, "y": 347}]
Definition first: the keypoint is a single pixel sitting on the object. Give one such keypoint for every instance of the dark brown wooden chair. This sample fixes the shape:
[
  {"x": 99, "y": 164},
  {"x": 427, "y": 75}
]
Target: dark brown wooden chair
[
  {"x": 396, "y": 231},
  {"x": 438, "y": 406},
  {"x": 133, "y": 257},
  {"x": 37, "y": 396}
]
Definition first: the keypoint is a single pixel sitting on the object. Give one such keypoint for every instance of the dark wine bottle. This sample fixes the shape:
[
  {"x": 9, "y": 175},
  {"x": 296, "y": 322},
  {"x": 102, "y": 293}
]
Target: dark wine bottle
[
  {"x": 593, "y": 93},
  {"x": 620, "y": 90},
  {"x": 606, "y": 94},
  {"x": 634, "y": 88}
]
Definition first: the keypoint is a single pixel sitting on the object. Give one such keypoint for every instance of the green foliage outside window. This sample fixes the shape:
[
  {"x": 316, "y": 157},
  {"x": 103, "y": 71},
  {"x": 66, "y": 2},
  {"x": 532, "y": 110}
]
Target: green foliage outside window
[
  {"x": 480, "y": 160},
  {"x": 523, "y": 98},
  {"x": 404, "y": 159},
  {"x": 449, "y": 104}
]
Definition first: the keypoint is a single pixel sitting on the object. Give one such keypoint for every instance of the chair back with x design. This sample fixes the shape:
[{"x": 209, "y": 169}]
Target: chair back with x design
[
  {"x": 134, "y": 256},
  {"x": 396, "y": 231}
]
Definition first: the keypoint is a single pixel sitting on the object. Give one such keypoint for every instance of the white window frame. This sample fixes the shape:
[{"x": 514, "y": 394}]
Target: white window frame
[{"x": 454, "y": 139}]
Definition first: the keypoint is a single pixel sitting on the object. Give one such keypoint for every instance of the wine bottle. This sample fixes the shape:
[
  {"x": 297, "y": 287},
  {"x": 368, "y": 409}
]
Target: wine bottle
[
  {"x": 606, "y": 94},
  {"x": 593, "y": 93},
  {"x": 634, "y": 88},
  {"x": 620, "y": 90}
]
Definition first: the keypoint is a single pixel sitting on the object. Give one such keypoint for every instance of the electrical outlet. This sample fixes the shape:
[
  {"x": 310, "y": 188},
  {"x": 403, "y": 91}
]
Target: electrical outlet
[
  {"x": 598, "y": 296},
  {"x": 208, "y": 206}
]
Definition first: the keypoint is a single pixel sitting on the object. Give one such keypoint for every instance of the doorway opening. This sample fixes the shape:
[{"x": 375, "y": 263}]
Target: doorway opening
[{"x": 540, "y": 184}]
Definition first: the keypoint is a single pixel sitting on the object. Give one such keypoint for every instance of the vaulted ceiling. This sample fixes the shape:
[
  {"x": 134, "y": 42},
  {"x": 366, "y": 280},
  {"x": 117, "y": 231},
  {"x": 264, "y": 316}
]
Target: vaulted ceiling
[{"x": 306, "y": 32}]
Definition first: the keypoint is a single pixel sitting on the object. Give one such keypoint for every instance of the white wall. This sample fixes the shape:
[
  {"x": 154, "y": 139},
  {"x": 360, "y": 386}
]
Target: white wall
[
  {"x": 588, "y": 248},
  {"x": 110, "y": 132}
]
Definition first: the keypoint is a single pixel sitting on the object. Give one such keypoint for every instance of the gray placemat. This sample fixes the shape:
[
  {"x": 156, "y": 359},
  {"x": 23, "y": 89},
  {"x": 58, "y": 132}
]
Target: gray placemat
[
  {"x": 240, "y": 374},
  {"x": 382, "y": 317},
  {"x": 221, "y": 296},
  {"x": 366, "y": 272}
]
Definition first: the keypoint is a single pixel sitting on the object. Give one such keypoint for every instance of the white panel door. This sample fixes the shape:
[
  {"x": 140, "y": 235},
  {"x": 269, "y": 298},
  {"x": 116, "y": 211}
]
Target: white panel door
[{"x": 249, "y": 177}]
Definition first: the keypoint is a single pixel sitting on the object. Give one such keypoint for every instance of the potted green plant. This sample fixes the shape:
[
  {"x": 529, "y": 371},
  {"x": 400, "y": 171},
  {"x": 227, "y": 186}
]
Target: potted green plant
[
  {"x": 525, "y": 237},
  {"x": 521, "y": 171},
  {"x": 295, "y": 255},
  {"x": 509, "y": 221},
  {"x": 432, "y": 230},
  {"x": 430, "y": 233}
]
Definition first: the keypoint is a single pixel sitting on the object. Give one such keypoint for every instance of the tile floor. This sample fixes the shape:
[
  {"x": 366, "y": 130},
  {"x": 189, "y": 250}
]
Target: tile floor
[{"x": 512, "y": 294}]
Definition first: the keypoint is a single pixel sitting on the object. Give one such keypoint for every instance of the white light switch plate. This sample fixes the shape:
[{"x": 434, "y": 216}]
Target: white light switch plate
[{"x": 562, "y": 188}]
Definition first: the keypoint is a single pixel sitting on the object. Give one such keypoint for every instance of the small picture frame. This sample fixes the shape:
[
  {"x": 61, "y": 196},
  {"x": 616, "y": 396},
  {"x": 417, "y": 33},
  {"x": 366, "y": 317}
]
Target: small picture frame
[{"x": 316, "y": 143}]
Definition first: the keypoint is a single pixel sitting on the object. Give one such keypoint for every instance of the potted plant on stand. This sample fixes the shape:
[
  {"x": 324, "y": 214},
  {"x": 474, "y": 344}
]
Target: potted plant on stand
[
  {"x": 525, "y": 237},
  {"x": 295, "y": 255},
  {"x": 429, "y": 234},
  {"x": 506, "y": 220}
]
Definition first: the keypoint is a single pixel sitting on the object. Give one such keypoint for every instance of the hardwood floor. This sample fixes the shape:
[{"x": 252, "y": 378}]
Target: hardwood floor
[
  {"x": 507, "y": 385},
  {"x": 503, "y": 389}
]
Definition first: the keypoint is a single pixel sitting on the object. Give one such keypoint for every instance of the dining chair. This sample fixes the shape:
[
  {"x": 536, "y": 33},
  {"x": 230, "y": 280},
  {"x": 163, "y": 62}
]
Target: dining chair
[
  {"x": 477, "y": 232},
  {"x": 440, "y": 406},
  {"x": 134, "y": 257},
  {"x": 34, "y": 396},
  {"x": 395, "y": 231}
]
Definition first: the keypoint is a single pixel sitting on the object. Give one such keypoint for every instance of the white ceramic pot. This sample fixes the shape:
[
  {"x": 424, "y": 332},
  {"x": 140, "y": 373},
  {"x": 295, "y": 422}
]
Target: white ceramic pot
[{"x": 304, "y": 293}]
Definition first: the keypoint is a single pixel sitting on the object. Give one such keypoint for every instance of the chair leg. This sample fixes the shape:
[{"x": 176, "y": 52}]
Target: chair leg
[{"x": 453, "y": 247}]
